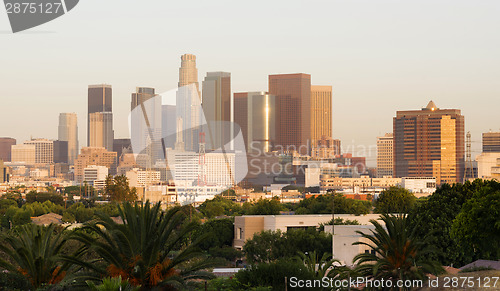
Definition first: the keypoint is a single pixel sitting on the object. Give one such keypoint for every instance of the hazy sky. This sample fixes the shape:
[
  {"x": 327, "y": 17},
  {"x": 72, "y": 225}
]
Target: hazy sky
[{"x": 379, "y": 56}]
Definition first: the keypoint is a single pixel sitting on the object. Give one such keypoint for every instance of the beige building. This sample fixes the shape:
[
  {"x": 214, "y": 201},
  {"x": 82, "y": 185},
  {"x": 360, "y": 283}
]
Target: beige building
[
  {"x": 247, "y": 225},
  {"x": 94, "y": 156},
  {"x": 345, "y": 236},
  {"x": 385, "y": 155},
  {"x": 140, "y": 178},
  {"x": 337, "y": 183},
  {"x": 23, "y": 153},
  {"x": 491, "y": 142},
  {"x": 44, "y": 150},
  {"x": 101, "y": 130},
  {"x": 321, "y": 112},
  {"x": 68, "y": 131}
]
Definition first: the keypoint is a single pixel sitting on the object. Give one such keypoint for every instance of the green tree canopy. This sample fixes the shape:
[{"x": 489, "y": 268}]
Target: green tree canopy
[
  {"x": 395, "y": 200},
  {"x": 118, "y": 189},
  {"x": 478, "y": 223}
]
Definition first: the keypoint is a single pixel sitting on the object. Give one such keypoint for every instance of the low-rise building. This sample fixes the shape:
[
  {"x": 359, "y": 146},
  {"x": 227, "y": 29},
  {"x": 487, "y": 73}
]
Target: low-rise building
[{"x": 246, "y": 226}]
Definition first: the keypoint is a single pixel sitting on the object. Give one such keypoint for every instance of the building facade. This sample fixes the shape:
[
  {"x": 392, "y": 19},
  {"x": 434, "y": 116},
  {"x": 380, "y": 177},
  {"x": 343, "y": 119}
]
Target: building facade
[
  {"x": 97, "y": 157},
  {"x": 68, "y": 131},
  {"x": 491, "y": 142},
  {"x": 44, "y": 150},
  {"x": 218, "y": 110},
  {"x": 429, "y": 143},
  {"x": 385, "y": 155},
  {"x": 255, "y": 113},
  {"x": 293, "y": 103},
  {"x": 6, "y": 144},
  {"x": 321, "y": 112},
  {"x": 101, "y": 130},
  {"x": 100, "y": 133},
  {"x": 23, "y": 153}
]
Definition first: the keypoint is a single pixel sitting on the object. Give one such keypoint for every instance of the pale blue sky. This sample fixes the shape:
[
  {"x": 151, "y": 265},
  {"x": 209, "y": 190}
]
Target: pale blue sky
[{"x": 379, "y": 56}]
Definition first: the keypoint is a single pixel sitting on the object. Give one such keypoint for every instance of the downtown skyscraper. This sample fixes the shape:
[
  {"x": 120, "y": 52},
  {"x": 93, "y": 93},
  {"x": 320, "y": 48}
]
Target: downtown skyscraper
[
  {"x": 218, "y": 109},
  {"x": 146, "y": 124},
  {"x": 293, "y": 104},
  {"x": 321, "y": 113},
  {"x": 68, "y": 131},
  {"x": 188, "y": 105},
  {"x": 100, "y": 117},
  {"x": 429, "y": 143}
]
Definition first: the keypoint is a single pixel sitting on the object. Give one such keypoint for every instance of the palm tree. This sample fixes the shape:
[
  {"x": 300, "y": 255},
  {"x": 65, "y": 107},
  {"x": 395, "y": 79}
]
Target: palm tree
[
  {"x": 144, "y": 249},
  {"x": 35, "y": 253},
  {"x": 318, "y": 267},
  {"x": 397, "y": 253}
]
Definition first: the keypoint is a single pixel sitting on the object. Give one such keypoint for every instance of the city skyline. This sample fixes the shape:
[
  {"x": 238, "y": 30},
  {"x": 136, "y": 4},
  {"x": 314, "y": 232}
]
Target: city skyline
[{"x": 413, "y": 56}]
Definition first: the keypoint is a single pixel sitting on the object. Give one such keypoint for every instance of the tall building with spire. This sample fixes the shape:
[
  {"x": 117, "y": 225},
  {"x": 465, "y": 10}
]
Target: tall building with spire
[
  {"x": 68, "y": 131},
  {"x": 188, "y": 103},
  {"x": 100, "y": 117},
  {"x": 429, "y": 143}
]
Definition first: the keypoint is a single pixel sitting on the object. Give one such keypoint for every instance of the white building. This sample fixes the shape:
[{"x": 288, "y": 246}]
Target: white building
[
  {"x": 487, "y": 165},
  {"x": 95, "y": 175},
  {"x": 418, "y": 185},
  {"x": 385, "y": 158}
]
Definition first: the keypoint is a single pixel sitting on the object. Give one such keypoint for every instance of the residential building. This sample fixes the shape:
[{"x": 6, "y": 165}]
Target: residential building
[
  {"x": 6, "y": 144},
  {"x": 385, "y": 155},
  {"x": 218, "y": 110},
  {"x": 429, "y": 143},
  {"x": 255, "y": 113},
  {"x": 491, "y": 142},
  {"x": 321, "y": 112},
  {"x": 94, "y": 156},
  {"x": 293, "y": 103},
  {"x": 68, "y": 131},
  {"x": 246, "y": 226}
]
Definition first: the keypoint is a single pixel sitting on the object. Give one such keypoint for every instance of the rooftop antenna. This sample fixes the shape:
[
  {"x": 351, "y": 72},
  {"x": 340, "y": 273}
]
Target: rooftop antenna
[{"x": 469, "y": 172}]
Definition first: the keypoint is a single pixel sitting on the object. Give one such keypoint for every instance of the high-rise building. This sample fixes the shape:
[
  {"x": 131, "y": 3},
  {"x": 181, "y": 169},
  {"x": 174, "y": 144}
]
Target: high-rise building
[
  {"x": 429, "y": 143},
  {"x": 385, "y": 155},
  {"x": 97, "y": 157},
  {"x": 60, "y": 151},
  {"x": 218, "y": 109},
  {"x": 100, "y": 109},
  {"x": 68, "y": 131},
  {"x": 6, "y": 144},
  {"x": 321, "y": 112},
  {"x": 168, "y": 125},
  {"x": 4, "y": 172},
  {"x": 101, "y": 130},
  {"x": 146, "y": 123},
  {"x": 188, "y": 105},
  {"x": 293, "y": 103},
  {"x": 120, "y": 145},
  {"x": 255, "y": 113},
  {"x": 491, "y": 142},
  {"x": 44, "y": 150}
]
